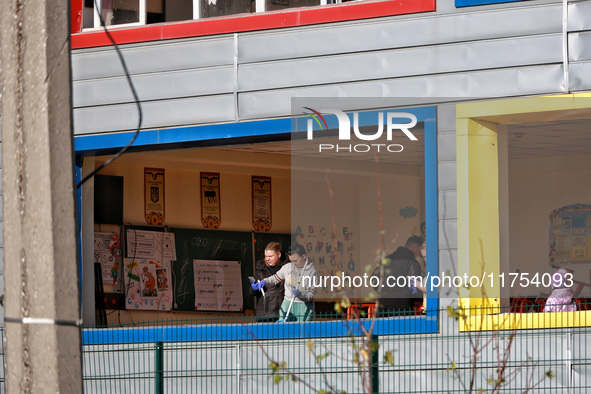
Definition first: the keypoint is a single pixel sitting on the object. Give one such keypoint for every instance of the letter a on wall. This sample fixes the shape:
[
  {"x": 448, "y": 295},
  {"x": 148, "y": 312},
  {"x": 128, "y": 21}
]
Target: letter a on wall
[{"x": 210, "y": 200}]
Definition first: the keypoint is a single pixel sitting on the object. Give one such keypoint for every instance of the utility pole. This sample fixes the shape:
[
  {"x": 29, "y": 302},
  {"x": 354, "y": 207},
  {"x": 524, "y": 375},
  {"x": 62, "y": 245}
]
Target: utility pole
[{"x": 42, "y": 323}]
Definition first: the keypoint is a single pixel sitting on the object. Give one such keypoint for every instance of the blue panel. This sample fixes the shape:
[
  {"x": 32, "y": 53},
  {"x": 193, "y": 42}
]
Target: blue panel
[
  {"x": 468, "y": 3},
  {"x": 93, "y": 143},
  {"x": 259, "y": 331}
]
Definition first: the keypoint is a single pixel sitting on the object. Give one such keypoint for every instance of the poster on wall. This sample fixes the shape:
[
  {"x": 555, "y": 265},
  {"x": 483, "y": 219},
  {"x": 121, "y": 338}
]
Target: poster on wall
[
  {"x": 148, "y": 284},
  {"x": 570, "y": 235},
  {"x": 333, "y": 252},
  {"x": 261, "y": 203},
  {"x": 218, "y": 285},
  {"x": 107, "y": 252},
  {"x": 210, "y": 200},
  {"x": 153, "y": 245},
  {"x": 154, "y": 195}
]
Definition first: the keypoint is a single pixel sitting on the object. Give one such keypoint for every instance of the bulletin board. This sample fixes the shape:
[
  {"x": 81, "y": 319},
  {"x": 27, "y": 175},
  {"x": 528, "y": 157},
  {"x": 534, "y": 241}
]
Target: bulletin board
[
  {"x": 570, "y": 235},
  {"x": 193, "y": 245}
]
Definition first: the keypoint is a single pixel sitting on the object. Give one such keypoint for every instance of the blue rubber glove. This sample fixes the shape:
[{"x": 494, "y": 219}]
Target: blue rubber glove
[
  {"x": 257, "y": 286},
  {"x": 296, "y": 293},
  {"x": 413, "y": 287}
]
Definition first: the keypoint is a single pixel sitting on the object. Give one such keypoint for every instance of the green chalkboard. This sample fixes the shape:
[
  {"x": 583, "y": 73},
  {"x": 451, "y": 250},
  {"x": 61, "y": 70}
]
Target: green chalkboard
[
  {"x": 262, "y": 239},
  {"x": 200, "y": 244}
]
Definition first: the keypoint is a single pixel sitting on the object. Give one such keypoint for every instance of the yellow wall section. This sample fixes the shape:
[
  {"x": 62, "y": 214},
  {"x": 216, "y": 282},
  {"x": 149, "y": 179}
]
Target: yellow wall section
[{"x": 478, "y": 185}]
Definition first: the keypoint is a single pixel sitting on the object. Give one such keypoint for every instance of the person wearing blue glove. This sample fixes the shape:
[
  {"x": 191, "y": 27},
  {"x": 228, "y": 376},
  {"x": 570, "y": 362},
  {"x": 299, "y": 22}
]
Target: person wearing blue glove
[
  {"x": 257, "y": 286},
  {"x": 299, "y": 277},
  {"x": 269, "y": 296}
]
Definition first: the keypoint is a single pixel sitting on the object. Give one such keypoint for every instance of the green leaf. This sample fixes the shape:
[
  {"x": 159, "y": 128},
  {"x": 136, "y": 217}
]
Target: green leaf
[
  {"x": 389, "y": 357},
  {"x": 274, "y": 367},
  {"x": 345, "y": 303},
  {"x": 374, "y": 346},
  {"x": 550, "y": 374},
  {"x": 277, "y": 379},
  {"x": 337, "y": 308}
]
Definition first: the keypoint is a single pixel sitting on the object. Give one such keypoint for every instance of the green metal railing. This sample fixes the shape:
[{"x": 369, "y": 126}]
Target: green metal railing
[{"x": 191, "y": 356}]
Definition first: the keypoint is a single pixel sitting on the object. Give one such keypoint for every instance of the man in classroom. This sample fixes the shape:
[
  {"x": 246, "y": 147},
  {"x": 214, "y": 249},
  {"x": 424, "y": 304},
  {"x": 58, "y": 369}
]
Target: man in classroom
[{"x": 271, "y": 296}]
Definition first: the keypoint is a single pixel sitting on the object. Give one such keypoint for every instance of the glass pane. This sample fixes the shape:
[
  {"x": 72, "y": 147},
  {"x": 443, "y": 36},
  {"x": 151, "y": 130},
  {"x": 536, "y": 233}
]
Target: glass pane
[
  {"x": 210, "y": 8},
  {"x": 117, "y": 12},
  {"x": 282, "y": 4}
]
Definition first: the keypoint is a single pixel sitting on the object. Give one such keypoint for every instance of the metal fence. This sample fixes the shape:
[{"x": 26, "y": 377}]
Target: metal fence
[{"x": 333, "y": 354}]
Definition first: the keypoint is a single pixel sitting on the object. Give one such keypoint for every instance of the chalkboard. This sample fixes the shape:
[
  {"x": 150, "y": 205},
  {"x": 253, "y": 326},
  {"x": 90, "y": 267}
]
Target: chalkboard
[
  {"x": 261, "y": 240},
  {"x": 199, "y": 244}
]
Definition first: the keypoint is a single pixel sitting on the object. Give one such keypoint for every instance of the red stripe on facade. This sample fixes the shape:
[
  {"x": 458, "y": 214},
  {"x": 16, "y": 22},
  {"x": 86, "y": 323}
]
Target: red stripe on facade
[{"x": 252, "y": 22}]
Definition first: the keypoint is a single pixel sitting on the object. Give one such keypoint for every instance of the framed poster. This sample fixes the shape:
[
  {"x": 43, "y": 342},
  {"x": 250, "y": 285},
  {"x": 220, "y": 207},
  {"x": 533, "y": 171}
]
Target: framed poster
[
  {"x": 154, "y": 195},
  {"x": 261, "y": 203},
  {"x": 148, "y": 284},
  {"x": 210, "y": 200},
  {"x": 218, "y": 285}
]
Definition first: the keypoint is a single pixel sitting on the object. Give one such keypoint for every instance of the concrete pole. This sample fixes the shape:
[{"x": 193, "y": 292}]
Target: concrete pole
[{"x": 41, "y": 275}]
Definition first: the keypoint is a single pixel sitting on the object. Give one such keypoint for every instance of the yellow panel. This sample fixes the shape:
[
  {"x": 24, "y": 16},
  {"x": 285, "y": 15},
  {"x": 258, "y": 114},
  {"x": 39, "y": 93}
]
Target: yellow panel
[
  {"x": 477, "y": 180},
  {"x": 524, "y": 321}
]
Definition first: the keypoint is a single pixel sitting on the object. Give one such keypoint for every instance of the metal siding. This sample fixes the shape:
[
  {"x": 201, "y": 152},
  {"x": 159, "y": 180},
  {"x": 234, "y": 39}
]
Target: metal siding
[
  {"x": 154, "y": 86},
  {"x": 578, "y": 15},
  {"x": 580, "y": 76},
  {"x": 490, "y": 83},
  {"x": 403, "y": 62},
  {"x": 160, "y": 57},
  {"x": 391, "y": 33},
  {"x": 579, "y": 46},
  {"x": 169, "y": 113}
]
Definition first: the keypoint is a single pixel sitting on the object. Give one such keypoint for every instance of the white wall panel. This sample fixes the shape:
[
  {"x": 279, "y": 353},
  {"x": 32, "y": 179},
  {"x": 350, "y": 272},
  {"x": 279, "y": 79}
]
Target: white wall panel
[
  {"x": 470, "y": 25},
  {"x": 169, "y": 113},
  {"x": 154, "y": 86},
  {"x": 400, "y": 63},
  {"x": 491, "y": 83},
  {"x": 580, "y": 76},
  {"x": 578, "y": 15},
  {"x": 154, "y": 57},
  {"x": 579, "y": 46}
]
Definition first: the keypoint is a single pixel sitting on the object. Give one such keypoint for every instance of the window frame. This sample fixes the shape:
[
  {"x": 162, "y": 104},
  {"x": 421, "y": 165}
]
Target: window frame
[
  {"x": 293, "y": 17},
  {"x": 480, "y": 207},
  {"x": 222, "y": 134}
]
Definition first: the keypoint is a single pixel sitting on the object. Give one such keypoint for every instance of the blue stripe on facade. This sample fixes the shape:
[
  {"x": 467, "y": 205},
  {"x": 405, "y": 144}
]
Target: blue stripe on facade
[
  {"x": 258, "y": 331},
  {"x": 469, "y": 3},
  {"x": 398, "y": 325}
]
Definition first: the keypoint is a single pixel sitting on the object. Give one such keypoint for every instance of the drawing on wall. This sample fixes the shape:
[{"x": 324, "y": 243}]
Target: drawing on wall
[
  {"x": 408, "y": 212},
  {"x": 154, "y": 195},
  {"x": 570, "y": 235},
  {"x": 210, "y": 200},
  {"x": 146, "y": 284},
  {"x": 107, "y": 252},
  {"x": 261, "y": 203}
]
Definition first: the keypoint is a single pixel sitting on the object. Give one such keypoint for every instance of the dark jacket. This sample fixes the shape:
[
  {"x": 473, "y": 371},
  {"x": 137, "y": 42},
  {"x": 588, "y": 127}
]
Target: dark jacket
[
  {"x": 396, "y": 298},
  {"x": 270, "y": 304}
]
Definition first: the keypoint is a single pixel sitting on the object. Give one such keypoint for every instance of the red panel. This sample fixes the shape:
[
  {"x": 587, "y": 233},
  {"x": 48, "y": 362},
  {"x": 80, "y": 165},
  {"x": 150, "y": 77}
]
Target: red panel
[
  {"x": 252, "y": 22},
  {"x": 76, "y": 8}
]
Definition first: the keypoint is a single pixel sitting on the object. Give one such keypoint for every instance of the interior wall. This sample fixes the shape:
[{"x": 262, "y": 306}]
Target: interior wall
[
  {"x": 353, "y": 215},
  {"x": 182, "y": 189},
  {"x": 536, "y": 187}
]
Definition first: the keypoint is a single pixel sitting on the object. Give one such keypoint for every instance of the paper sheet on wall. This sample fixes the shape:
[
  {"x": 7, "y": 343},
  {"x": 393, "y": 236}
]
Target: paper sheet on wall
[
  {"x": 107, "y": 252},
  {"x": 218, "y": 285},
  {"x": 148, "y": 284},
  {"x": 154, "y": 245}
]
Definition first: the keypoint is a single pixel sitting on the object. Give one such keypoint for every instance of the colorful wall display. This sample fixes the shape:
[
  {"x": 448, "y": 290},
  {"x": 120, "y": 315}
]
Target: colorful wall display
[
  {"x": 107, "y": 252},
  {"x": 154, "y": 195},
  {"x": 261, "y": 203},
  {"x": 148, "y": 284},
  {"x": 210, "y": 199},
  {"x": 570, "y": 235}
]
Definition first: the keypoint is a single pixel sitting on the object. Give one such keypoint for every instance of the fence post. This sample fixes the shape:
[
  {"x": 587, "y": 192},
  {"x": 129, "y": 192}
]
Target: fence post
[
  {"x": 159, "y": 368},
  {"x": 375, "y": 367}
]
